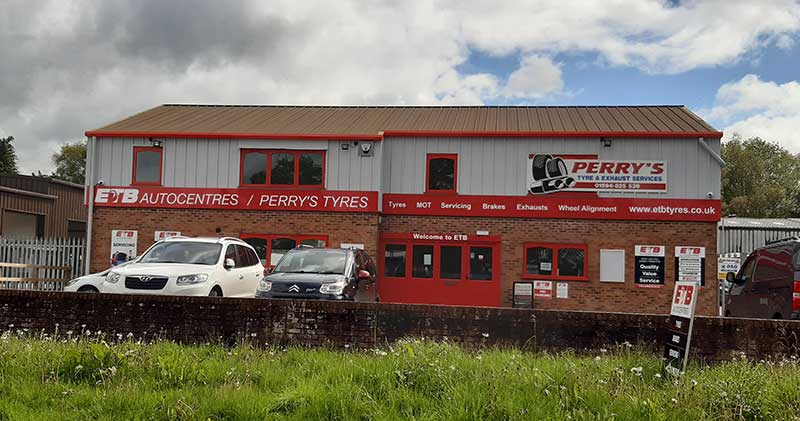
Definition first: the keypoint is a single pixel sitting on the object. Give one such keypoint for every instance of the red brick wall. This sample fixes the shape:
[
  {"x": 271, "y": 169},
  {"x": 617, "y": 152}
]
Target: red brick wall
[
  {"x": 589, "y": 295},
  {"x": 373, "y": 325},
  {"x": 338, "y": 226}
]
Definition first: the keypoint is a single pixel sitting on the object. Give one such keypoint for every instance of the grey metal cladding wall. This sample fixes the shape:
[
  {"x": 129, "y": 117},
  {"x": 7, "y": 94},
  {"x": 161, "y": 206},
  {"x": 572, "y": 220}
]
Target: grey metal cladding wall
[
  {"x": 346, "y": 170},
  {"x": 499, "y": 166},
  {"x": 745, "y": 240},
  {"x": 114, "y": 159},
  {"x": 214, "y": 163}
]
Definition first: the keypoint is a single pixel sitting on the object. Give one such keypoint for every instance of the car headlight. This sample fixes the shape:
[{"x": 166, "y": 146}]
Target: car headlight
[
  {"x": 113, "y": 277},
  {"x": 264, "y": 285},
  {"x": 334, "y": 288},
  {"x": 198, "y": 278},
  {"x": 71, "y": 282}
]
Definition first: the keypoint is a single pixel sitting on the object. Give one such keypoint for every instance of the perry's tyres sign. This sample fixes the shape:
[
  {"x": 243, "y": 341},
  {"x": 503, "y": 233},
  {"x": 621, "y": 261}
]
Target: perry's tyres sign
[
  {"x": 553, "y": 206},
  {"x": 242, "y": 199},
  {"x": 552, "y": 173},
  {"x": 649, "y": 272}
]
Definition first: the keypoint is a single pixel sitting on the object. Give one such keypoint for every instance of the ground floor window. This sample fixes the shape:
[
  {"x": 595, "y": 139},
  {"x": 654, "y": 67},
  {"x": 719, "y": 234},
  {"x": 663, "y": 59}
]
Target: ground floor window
[
  {"x": 271, "y": 247},
  {"x": 555, "y": 261}
]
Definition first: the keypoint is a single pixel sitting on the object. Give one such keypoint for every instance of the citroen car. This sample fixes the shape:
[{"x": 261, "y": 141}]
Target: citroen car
[
  {"x": 190, "y": 266},
  {"x": 322, "y": 273}
]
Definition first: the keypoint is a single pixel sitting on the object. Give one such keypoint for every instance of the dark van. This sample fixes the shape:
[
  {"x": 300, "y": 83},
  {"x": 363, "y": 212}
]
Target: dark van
[{"x": 768, "y": 283}]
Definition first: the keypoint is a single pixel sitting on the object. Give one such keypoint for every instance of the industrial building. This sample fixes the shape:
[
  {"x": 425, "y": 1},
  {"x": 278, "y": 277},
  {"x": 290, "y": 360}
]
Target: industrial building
[{"x": 582, "y": 208}]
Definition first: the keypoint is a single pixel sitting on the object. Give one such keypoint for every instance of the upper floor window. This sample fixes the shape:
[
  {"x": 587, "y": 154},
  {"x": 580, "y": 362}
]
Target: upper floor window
[
  {"x": 147, "y": 165},
  {"x": 266, "y": 167},
  {"x": 442, "y": 172}
]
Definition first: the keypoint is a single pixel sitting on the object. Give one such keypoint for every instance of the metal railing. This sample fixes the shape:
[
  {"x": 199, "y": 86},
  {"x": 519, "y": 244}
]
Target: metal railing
[{"x": 55, "y": 252}]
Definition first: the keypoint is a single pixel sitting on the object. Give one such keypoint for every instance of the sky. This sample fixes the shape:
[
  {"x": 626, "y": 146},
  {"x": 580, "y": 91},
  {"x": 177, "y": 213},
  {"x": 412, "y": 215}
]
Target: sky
[{"x": 71, "y": 66}]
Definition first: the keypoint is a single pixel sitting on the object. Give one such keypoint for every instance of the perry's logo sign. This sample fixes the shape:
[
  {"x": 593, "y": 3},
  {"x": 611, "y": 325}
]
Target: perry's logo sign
[
  {"x": 116, "y": 195},
  {"x": 550, "y": 173}
]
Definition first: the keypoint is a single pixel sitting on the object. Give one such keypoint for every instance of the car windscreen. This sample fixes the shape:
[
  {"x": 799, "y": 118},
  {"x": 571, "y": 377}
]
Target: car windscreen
[
  {"x": 313, "y": 261},
  {"x": 183, "y": 252}
]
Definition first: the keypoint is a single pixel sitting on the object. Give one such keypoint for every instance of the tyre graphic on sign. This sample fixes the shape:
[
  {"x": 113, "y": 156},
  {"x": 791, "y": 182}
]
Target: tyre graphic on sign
[{"x": 549, "y": 174}]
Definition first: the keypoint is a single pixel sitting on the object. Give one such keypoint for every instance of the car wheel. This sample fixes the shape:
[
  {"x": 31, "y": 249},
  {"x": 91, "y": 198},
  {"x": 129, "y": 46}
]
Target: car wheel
[
  {"x": 88, "y": 289},
  {"x": 215, "y": 292}
]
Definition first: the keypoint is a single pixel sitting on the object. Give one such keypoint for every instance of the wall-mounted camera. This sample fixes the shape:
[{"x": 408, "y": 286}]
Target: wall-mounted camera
[
  {"x": 100, "y": 182},
  {"x": 365, "y": 149},
  {"x": 710, "y": 195}
]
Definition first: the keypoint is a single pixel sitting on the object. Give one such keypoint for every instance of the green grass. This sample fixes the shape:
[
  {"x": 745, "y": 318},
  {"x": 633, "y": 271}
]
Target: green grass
[{"x": 66, "y": 378}]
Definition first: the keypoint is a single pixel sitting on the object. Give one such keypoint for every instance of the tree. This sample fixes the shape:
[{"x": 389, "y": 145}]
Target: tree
[
  {"x": 70, "y": 162},
  {"x": 760, "y": 179},
  {"x": 8, "y": 156}
]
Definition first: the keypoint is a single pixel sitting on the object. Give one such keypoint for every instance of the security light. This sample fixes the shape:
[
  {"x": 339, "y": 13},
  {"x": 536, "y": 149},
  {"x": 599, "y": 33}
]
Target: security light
[{"x": 606, "y": 141}]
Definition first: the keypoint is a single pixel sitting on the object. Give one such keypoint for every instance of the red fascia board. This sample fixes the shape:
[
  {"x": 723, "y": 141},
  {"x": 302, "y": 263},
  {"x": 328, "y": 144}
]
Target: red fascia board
[
  {"x": 380, "y": 136},
  {"x": 710, "y": 135},
  {"x": 220, "y": 135}
]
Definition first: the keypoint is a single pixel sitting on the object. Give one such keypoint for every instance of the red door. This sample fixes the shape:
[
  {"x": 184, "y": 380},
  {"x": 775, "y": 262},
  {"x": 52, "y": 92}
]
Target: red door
[{"x": 440, "y": 269}]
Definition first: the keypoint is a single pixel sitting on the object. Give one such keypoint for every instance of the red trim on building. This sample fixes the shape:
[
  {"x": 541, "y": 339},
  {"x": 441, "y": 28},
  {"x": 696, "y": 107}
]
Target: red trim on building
[
  {"x": 552, "y": 206},
  {"x": 136, "y": 150},
  {"x": 399, "y": 133},
  {"x": 554, "y": 276},
  {"x": 236, "y": 199},
  {"x": 432, "y": 156},
  {"x": 234, "y": 135},
  {"x": 624, "y": 134}
]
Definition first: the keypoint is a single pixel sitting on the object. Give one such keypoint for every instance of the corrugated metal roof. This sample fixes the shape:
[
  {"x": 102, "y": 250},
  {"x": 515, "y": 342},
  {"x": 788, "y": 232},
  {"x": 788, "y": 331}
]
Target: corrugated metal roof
[
  {"x": 176, "y": 120},
  {"x": 761, "y": 223}
]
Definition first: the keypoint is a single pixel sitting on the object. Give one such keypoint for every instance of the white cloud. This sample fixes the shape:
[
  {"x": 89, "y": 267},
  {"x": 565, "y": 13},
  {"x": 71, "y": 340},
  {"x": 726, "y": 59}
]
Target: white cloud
[
  {"x": 72, "y": 66},
  {"x": 753, "y": 107},
  {"x": 536, "y": 77}
]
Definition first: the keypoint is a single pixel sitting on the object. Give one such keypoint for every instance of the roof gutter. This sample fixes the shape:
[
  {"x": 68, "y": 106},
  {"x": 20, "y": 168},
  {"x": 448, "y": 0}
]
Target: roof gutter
[{"x": 401, "y": 133}]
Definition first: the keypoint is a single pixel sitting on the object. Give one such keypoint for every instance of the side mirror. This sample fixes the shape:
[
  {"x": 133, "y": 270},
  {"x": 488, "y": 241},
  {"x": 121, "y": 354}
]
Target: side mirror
[
  {"x": 268, "y": 270},
  {"x": 363, "y": 275},
  {"x": 229, "y": 264},
  {"x": 730, "y": 277}
]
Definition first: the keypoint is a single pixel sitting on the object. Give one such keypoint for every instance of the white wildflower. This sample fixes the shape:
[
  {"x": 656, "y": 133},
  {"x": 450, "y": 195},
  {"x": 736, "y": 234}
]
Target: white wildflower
[{"x": 637, "y": 371}]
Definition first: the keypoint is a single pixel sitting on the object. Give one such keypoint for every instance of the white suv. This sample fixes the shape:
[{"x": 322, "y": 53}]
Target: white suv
[{"x": 190, "y": 266}]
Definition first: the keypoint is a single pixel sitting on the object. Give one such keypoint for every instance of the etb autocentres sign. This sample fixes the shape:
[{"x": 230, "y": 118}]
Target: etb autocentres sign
[
  {"x": 240, "y": 199},
  {"x": 549, "y": 173}
]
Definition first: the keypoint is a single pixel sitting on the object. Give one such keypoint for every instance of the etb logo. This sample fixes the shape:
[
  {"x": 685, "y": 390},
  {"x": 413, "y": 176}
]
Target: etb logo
[
  {"x": 650, "y": 249},
  {"x": 112, "y": 195},
  {"x": 684, "y": 295},
  {"x": 125, "y": 234},
  {"x": 691, "y": 251}
]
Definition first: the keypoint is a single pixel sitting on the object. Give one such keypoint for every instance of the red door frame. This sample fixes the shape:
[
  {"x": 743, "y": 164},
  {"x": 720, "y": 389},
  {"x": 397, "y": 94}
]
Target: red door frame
[{"x": 435, "y": 290}]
